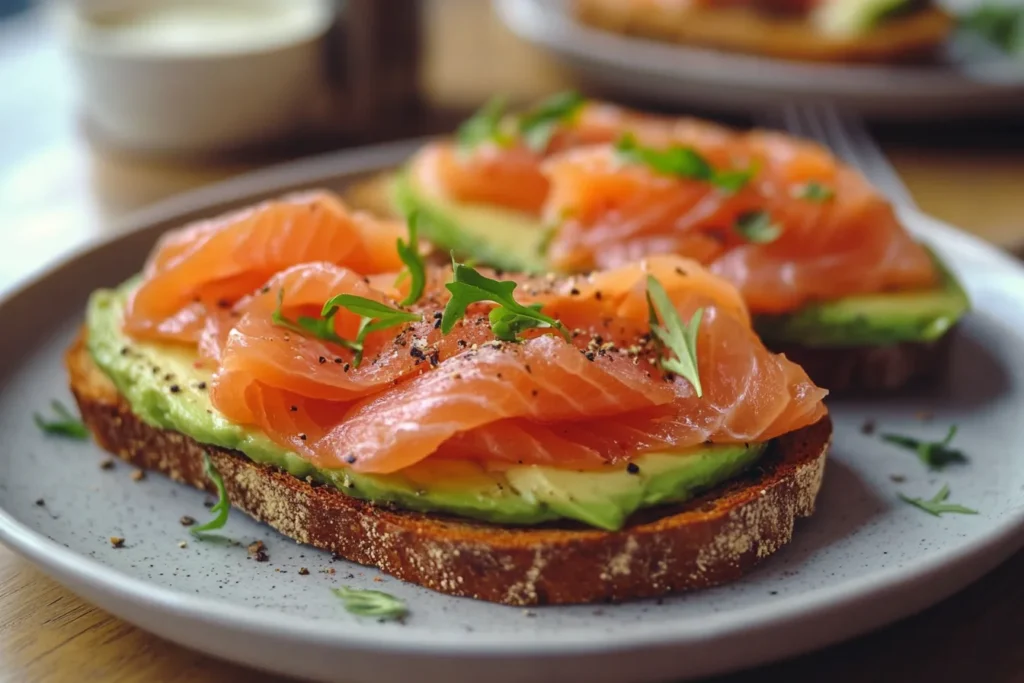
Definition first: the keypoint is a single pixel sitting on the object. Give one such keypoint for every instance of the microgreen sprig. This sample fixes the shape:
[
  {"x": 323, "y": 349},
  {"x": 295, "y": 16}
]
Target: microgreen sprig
[{"x": 679, "y": 338}]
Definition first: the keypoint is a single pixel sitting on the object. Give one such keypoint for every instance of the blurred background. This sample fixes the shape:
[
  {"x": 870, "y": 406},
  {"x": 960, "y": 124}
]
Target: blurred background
[{"x": 107, "y": 106}]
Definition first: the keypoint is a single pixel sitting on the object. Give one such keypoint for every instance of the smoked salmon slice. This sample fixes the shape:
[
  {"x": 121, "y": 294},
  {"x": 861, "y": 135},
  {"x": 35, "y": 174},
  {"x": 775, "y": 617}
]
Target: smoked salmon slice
[
  {"x": 825, "y": 232},
  {"x": 211, "y": 264},
  {"x": 594, "y": 399}
]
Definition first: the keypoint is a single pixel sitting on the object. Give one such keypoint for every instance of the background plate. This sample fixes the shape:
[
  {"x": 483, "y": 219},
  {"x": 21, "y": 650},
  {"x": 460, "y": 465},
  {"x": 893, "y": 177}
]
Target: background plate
[
  {"x": 968, "y": 80},
  {"x": 863, "y": 560}
]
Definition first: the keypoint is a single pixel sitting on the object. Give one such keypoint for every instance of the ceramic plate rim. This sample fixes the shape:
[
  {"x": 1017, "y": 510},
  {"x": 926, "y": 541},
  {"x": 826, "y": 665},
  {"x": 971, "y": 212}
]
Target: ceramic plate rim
[{"x": 999, "y": 541}]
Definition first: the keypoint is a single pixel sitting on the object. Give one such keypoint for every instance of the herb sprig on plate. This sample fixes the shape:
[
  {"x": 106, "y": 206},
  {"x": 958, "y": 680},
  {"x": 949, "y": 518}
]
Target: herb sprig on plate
[
  {"x": 222, "y": 507},
  {"x": 66, "y": 423},
  {"x": 371, "y": 603},
  {"x": 934, "y": 454},
  {"x": 937, "y": 505}
]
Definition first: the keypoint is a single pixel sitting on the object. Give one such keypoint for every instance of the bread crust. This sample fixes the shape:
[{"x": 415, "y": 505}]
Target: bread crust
[
  {"x": 711, "y": 540},
  {"x": 739, "y": 29},
  {"x": 872, "y": 370}
]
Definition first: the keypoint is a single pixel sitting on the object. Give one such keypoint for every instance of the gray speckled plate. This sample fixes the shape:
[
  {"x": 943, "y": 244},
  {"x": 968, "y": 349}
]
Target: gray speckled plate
[{"x": 864, "y": 559}]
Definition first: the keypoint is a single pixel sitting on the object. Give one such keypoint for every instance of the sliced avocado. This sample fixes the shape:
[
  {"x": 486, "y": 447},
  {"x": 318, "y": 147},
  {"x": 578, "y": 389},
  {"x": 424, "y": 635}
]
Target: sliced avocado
[
  {"x": 854, "y": 17},
  {"x": 498, "y": 237},
  {"x": 145, "y": 372},
  {"x": 872, "y": 320},
  {"x": 606, "y": 499}
]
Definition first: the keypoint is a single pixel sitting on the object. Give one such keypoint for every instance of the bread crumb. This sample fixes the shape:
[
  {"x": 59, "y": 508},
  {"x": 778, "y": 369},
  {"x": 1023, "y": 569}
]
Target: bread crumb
[
  {"x": 182, "y": 544},
  {"x": 258, "y": 551},
  {"x": 303, "y": 571},
  {"x": 117, "y": 541},
  {"x": 138, "y": 475},
  {"x": 187, "y": 521}
]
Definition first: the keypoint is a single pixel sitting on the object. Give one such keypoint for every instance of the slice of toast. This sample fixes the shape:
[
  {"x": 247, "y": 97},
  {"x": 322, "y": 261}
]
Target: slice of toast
[
  {"x": 713, "y": 539},
  {"x": 913, "y": 36},
  {"x": 872, "y": 370}
]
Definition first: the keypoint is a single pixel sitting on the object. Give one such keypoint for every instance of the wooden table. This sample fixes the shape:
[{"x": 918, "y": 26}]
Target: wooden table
[{"x": 57, "y": 191}]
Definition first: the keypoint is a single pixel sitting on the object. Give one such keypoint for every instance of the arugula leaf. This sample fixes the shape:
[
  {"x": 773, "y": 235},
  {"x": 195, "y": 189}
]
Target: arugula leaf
[
  {"x": 369, "y": 308},
  {"x": 507, "y": 324},
  {"x": 934, "y": 454},
  {"x": 410, "y": 254},
  {"x": 1000, "y": 24},
  {"x": 731, "y": 182},
  {"x": 937, "y": 504},
  {"x": 320, "y": 328},
  {"x": 66, "y": 424},
  {"x": 223, "y": 505},
  {"x": 538, "y": 125},
  {"x": 469, "y": 287},
  {"x": 678, "y": 338},
  {"x": 679, "y": 161},
  {"x": 369, "y": 603},
  {"x": 815, "y": 192},
  {"x": 684, "y": 162},
  {"x": 376, "y": 316},
  {"x": 757, "y": 227},
  {"x": 484, "y": 126}
]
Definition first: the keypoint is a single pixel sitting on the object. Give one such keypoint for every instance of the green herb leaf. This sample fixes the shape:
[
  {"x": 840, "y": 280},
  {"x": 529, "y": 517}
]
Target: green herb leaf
[
  {"x": 484, "y": 126},
  {"x": 409, "y": 252},
  {"x": 815, "y": 192},
  {"x": 223, "y": 505},
  {"x": 757, "y": 227},
  {"x": 369, "y": 603},
  {"x": 469, "y": 287},
  {"x": 538, "y": 125},
  {"x": 1000, "y": 24},
  {"x": 678, "y": 338},
  {"x": 320, "y": 328},
  {"x": 684, "y": 162},
  {"x": 66, "y": 424},
  {"x": 376, "y": 316},
  {"x": 369, "y": 308},
  {"x": 731, "y": 182},
  {"x": 507, "y": 324},
  {"x": 934, "y": 454},
  {"x": 937, "y": 504}
]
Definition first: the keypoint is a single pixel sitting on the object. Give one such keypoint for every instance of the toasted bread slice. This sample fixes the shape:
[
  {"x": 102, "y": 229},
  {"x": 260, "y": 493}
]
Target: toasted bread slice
[
  {"x": 872, "y": 370},
  {"x": 708, "y": 541},
  {"x": 738, "y": 29}
]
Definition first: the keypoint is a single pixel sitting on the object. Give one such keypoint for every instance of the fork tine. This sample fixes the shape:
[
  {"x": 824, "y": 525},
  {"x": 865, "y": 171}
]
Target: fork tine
[{"x": 852, "y": 141}]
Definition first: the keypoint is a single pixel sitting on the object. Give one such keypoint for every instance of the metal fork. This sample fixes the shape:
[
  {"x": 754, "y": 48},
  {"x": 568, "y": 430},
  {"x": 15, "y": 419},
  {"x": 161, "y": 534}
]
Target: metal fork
[{"x": 848, "y": 137}]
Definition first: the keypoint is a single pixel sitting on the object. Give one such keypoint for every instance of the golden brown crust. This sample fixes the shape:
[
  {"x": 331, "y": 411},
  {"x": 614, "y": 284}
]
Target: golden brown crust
[
  {"x": 708, "y": 541},
  {"x": 738, "y": 29},
  {"x": 872, "y": 370}
]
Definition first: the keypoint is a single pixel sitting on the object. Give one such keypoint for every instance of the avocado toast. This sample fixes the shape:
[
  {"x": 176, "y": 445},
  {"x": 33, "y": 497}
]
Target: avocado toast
[
  {"x": 536, "y": 440},
  {"x": 819, "y": 255}
]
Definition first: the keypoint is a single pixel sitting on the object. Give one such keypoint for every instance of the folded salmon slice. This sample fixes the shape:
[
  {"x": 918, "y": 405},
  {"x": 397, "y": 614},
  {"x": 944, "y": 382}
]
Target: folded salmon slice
[
  {"x": 595, "y": 399},
  {"x": 211, "y": 264},
  {"x": 849, "y": 244},
  {"x": 608, "y": 212}
]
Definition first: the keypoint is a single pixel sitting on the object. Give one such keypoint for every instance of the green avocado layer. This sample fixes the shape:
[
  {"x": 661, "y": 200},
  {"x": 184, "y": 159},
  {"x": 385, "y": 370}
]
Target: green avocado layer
[
  {"x": 515, "y": 241},
  {"x": 519, "y": 495}
]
